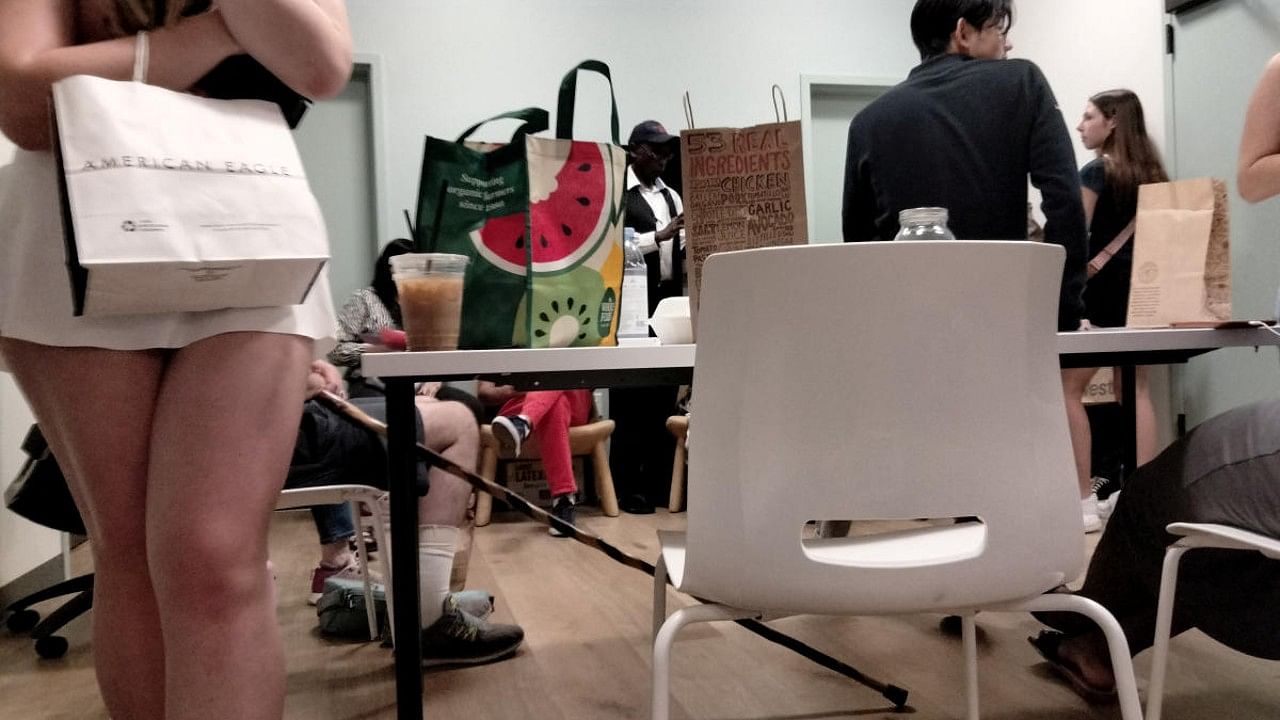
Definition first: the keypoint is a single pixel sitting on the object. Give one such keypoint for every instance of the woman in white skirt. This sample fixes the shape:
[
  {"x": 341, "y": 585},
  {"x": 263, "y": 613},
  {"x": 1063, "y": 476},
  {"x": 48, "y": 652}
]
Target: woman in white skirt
[{"x": 175, "y": 430}]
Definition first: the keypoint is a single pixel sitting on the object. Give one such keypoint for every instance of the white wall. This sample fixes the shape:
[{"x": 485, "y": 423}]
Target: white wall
[
  {"x": 22, "y": 544},
  {"x": 1087, "y": 46},
  {"x": 451, "y": 63}
]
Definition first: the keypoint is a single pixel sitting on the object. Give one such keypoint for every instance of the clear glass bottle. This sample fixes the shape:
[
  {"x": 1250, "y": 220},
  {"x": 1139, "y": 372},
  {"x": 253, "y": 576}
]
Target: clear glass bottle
[
  {"x": 924, "y": 223},
  {"x": 633, "y": 314}
]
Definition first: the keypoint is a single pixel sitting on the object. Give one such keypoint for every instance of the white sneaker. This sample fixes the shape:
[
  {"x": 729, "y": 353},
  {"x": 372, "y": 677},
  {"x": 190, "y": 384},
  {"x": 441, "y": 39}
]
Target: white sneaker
[
  {"x": 1089, "y": 510},
  {"x": 1108, "y": 506}
]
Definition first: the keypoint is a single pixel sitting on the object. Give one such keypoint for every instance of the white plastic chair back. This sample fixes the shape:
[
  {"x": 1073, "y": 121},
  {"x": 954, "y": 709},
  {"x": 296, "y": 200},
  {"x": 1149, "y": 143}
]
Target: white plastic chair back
[{"x": 880, "y": 381}]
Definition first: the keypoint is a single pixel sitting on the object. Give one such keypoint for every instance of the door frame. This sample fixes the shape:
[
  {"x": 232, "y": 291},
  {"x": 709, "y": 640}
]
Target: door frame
[
  {"x": 811, "y": 83},
  {"x": 371, "y": 64}
]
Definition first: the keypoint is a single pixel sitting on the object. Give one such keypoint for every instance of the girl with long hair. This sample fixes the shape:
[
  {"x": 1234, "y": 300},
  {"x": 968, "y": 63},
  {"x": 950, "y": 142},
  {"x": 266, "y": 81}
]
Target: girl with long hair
[
  {"x": 1114, "y": 127},
  {"x": 174, "y": 429},
  {"x": 368, "y": 311}
]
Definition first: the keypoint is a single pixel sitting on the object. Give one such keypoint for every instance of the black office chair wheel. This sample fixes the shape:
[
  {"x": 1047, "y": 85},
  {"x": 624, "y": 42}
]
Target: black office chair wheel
[
  {"x": 52, "y": 647},
  {"x": 22, "y": 621}
]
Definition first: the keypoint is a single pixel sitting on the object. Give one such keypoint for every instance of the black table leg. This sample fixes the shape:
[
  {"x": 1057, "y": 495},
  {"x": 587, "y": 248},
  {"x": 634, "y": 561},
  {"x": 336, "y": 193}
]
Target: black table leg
[
  {"x": 401, "y": 438},
  {"x": 1129, "y": 424}
]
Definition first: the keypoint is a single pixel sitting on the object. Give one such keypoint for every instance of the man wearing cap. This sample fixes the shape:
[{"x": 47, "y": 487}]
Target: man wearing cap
[
  {"x": 641, "y": 450},
  {"x": 654, "y": 210}
]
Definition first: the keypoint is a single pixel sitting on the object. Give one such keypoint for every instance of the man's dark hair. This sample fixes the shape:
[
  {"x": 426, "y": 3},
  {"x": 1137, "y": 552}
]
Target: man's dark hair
[{"x": 933, "y": 21}]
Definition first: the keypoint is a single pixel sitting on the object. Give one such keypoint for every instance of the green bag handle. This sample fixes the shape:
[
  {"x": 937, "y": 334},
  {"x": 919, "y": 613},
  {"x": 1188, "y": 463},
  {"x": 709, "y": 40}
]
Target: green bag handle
[
  {"x": 569, "y": 95},
  {"x": 535, "y": 121}
]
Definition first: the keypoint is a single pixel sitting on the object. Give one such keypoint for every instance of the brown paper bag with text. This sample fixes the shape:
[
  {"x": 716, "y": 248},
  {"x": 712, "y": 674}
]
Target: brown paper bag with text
[
  {"x": 743, "y": 188},
  {"x": 1181, "y": 254}
]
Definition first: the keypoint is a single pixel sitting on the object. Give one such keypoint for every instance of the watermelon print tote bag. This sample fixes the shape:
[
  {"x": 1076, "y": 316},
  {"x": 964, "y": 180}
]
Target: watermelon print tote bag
[{"x": 541, "y": 219}]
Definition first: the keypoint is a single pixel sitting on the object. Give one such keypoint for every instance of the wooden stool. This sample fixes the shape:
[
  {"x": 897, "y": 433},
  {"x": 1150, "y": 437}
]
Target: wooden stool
[
  {"x": 586, "y": 439},
  {"x": 678, "y": 425}
]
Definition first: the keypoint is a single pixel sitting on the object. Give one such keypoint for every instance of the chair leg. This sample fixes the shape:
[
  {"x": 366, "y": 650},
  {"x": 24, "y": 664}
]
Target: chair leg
[
  {"x": 969, "y": 633},
  {"x": 484, "y": 501},
  {"x": 604, "y": 481},
  {"x": 661, "y": 702},
  {"x": 659, "y": 594},
  {"x": 66, "y": 587},
  {"x": 1164, "y": 621},
  {"x": 1118, "y": 646},
  {"x": 78, "y": 605},
  {"x": 676, "y": 501},
  {"x": 362, "y": 555},
  {"x": 384, "y": 540}
]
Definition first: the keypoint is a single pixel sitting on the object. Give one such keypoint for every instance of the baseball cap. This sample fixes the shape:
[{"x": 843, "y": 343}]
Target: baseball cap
[{"x": 651, "y": 132}]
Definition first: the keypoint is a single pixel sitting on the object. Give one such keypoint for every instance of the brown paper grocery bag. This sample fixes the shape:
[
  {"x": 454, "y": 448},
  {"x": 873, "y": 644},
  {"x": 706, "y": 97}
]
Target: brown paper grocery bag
[
  {"x": 1181, "y": 254},
  {"x": 1101, "y": 388},
  {"x": 743, "y": 188}
]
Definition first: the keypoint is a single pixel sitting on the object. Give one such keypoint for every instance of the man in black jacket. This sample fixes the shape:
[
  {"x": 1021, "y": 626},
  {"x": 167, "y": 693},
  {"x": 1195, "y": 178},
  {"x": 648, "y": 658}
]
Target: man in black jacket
[{"x": 964, "y": 131}]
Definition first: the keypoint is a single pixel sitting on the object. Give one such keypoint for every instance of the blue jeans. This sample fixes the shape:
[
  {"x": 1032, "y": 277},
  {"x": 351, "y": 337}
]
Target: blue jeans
[{"x": 332, "y": 450}]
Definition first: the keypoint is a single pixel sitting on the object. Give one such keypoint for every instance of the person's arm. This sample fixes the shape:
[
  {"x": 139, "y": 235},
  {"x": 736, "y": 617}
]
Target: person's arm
[
  {"x": 1258, "y": 173},
  {"x": 305, "y": 43},
  {"x": 36, "y": 50},
  {"x": 1089, "y": 199},
  {"x": 491, "y": 393},
  {"x": 1053, "y": 171},
  {"x": 859, "y": 212},
  {"x": 353, "y": 319},
  {"x": 650, "y": 241}
]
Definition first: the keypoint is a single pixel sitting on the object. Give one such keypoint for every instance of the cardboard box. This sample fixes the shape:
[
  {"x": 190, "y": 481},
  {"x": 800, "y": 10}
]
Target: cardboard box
[{"x": 528, "y": 479}]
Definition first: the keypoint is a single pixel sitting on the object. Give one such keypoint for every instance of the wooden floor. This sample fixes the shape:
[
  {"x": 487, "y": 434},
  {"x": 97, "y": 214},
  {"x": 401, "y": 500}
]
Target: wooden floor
[{"x": 586, "y": 653}]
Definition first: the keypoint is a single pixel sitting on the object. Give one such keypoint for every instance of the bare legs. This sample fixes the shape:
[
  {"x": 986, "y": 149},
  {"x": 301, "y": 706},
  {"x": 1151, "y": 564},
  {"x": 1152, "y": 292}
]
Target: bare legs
[
  {"x": 95, "y": 407},
  {"x": 450, "y": 430},
  {"x": 1074, "y": 381},
  {"x": 1146, "y": 438},
  {"x": 176, "y": 459}
]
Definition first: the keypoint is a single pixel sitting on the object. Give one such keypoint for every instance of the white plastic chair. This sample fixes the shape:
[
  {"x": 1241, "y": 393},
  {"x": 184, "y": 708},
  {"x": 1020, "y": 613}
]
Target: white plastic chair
[
  {"x": 885, "y": 381},
  {"x": 360, "y": 497},
  {"x": 1194, "y": 535}
]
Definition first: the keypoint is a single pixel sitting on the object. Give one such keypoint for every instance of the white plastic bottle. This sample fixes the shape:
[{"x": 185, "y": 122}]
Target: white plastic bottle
[{"x": 633, "y": 315}]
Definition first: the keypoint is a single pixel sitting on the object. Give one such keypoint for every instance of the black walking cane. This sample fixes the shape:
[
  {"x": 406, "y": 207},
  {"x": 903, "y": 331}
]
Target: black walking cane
[{"x": 893, "y": 693}]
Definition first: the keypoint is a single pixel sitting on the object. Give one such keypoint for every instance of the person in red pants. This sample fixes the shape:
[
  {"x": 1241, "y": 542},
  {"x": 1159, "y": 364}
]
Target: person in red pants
[{"x": 547, "y": 414}]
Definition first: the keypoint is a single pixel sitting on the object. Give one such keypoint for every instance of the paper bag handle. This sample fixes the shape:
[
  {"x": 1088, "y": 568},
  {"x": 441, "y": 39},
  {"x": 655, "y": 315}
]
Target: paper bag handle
[
  {"x": 535, "y": 121},
  {"x": 688, "y": 110},
  {"x": 569, "y": 96},
  {"x": 778, "y": 94}
]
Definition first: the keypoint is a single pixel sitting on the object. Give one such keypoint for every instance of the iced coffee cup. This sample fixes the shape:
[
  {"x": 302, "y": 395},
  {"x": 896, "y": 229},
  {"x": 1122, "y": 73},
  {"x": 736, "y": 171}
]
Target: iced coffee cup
[{"x": 430, "y": 290}]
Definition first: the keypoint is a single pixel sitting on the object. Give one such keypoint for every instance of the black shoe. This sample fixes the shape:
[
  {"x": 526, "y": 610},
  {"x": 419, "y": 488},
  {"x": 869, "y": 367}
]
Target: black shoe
[
  {"x": 510, "y": 432},
  {"x": 460, "y": 638},
  {"x": 562, "y": 508},
  {"x": 636, "y": 505}
]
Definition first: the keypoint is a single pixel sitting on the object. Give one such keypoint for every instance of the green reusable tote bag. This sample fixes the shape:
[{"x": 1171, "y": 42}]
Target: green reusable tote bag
[{"x": 541, "y": 219}]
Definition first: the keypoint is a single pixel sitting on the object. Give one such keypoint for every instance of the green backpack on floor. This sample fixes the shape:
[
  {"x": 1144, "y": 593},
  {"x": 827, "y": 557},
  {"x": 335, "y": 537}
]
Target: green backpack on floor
[{"x": 341, "y": 610}]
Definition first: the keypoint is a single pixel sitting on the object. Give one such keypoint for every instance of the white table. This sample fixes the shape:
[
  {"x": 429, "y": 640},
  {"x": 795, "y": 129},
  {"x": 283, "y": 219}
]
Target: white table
[{"x": 652, "y": 365}]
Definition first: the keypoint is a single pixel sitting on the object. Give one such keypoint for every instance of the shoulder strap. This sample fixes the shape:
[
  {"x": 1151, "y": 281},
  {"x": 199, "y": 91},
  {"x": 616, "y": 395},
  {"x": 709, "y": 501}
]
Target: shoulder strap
[{"x": 1105, "y": 254}]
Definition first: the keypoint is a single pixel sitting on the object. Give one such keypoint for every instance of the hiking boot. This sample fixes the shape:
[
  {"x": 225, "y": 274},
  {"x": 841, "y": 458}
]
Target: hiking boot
[
  {"x": 562, "y": 508},
  {"x": 460, "y": 638},
  {"x": 350, "y": 571},
  {"x": 510, "y": 432}
]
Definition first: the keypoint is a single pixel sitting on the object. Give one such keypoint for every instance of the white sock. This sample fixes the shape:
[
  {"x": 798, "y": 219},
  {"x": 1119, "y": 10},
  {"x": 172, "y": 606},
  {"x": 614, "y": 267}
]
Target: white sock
[{"x": 436, "y": 545}]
